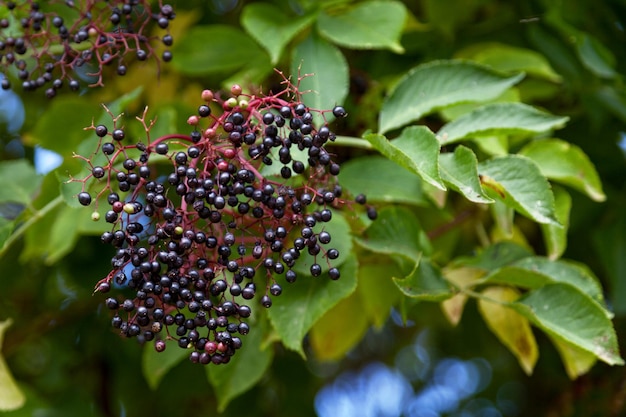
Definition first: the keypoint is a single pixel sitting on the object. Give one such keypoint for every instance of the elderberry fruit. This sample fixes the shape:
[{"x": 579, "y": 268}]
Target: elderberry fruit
[{"x": 200, "y": 235}]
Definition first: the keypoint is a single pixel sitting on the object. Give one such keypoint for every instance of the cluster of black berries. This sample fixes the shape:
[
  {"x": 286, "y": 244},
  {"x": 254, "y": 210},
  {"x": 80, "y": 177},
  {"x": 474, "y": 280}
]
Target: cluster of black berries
[
  {"x": 199, "y": 226},
  {"x": 48, "y": 45}
]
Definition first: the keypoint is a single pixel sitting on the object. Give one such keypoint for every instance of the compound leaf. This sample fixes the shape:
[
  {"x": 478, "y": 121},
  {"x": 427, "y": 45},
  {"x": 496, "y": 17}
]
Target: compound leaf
[
  {"x": 518, "y": 183},
  {"x": 417, "y": 150},
  {"x": 368, "y": 25},
  {"x": 565, "y": 163},
  {"x": 459, "y": 171},
  {"x": 436, "y": 85},
  {"x": 564, "y": 313},
  {"x": 499, "y": 119},
  {"x": 271, "y": 27}
]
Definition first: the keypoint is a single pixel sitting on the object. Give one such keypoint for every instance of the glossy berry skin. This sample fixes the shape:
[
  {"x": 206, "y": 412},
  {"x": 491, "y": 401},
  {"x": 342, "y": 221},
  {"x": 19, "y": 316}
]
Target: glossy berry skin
[{"x": 84, "y": 198}]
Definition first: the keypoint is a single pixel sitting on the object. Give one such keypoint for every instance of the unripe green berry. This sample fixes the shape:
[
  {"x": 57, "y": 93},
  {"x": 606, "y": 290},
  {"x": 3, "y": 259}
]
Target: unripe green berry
[
  {"x": 231, "y": 102},
  {"x": 95, "y": 216},
  {"x": 129, "y": 208}
]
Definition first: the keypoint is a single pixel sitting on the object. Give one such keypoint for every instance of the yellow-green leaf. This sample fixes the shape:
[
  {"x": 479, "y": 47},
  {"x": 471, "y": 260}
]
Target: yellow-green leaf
[
  {"x": 512, "y": 329},
  {"x": 339, "y": 330},
  {"x": 577, "y": 361},
  {"x": 11, "y": 397}
]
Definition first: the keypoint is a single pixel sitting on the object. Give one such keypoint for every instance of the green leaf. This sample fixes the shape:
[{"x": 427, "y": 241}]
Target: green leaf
[
  {"x": 436, "y": 85},
  {"x": 339, "y": 330},
  {"x": 341, "y": 236},
  {"x": 512, "y": 329},
  {"x": 63, "y": 234},
  {"x": 23, "y": 184},
  {"x": 425, "y": 282},
  {"x": 327, "y": 84},
  {"x": 396, "y": 231},
  {"x": 301, "y": 305},
  {"x": 609, "y": 242},
  {"x": 243, "y": 371},
  {"x": 11, "y": 397},
  {"x": 271, "y": 27},
  {"x": 555, "y": 237},
  {"x": 499, "y": 119},
  {"x": 61, "y": 127},
  {"x": 518, "y": 183},
  {"x": 382, "y": 180},
  {"x": 565, "y": 163},
  {"x": 509, "y": 58},
  {"x": 563, "y": 312},
  {"x": 368, "y": 25},
  {"x": 595, "y": 56},
  {"x": 537, "y": 271},
  {"x": 377, "y": 291},
  {"x": 417, "y": 150},
  {"x": 216, "y": 49},
  {"x": 156, "y": 364},
  {"x": 459, "y": 171},
  {"x": 495, "y": 256}
]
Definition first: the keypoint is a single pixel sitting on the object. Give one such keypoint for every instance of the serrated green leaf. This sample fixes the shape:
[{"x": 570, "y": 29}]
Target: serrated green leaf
[
  {"x": 499, "y": 119},
  {"x": 565, "y": 163},
  {"x": 436, "y": 85},
  {"x": 381, "y": 180},
  {"x": 377, "y": 291},
  {"x": 459, "y": 170},
  {"x": 555, "y": 237},
  {"x": 243, "y": 371},
  {"x": 509, "y": 58},
  {"x": 396, "y": 231},
  {"x": 512, "y": 329},
  {"x": 495, "y": 256},
  {"x": 425, "y": 282},
  {"x": 565, "y": 313},
  {"x": 293, "y": 314},
  {"x": 368, "y": 25},
  {"x": 155, "y": 365},
  {"x": 216, "y": 49},
  {"x": 517, "y": 182},
  {"x": 577, "y": 361},
  {"x": 341, "y": 239},
  {"x": 339, "y": 330},
  {"x": 11, "y": 397},
  {"x": 271, "y": 27},
  {"x": 537, "y": 271},
  {"x": 23, "y": 184},
  {"x": 417, "y": 150},
  {"x": 327, "y": 84}
]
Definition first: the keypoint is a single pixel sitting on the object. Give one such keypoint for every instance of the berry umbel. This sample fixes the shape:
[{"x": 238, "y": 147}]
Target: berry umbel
[
  {"x": 46, "y": 52},
  {"x": 204, "y": 224}
]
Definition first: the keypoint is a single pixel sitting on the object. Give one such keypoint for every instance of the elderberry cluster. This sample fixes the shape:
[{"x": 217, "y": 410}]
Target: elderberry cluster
[
  {"x": 200, "y": 226},
  {"x": 49, "y": 44}
]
